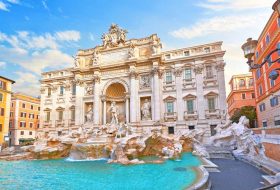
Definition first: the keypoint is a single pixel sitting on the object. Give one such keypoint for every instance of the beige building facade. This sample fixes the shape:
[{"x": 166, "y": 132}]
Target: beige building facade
[{"x": 136, "y": 83}]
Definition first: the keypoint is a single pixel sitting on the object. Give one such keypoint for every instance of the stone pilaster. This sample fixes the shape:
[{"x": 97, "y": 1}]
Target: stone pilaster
[
  {"x": 179, "y": 93},
  {"x": 133, "y": 96},
  {"x": 79, "y": 110},
  {"x": 96, "y": 100},
  {"x": 156, "y": 91},
  {"x": 198, "y": 69},
  {"x": 222, "y": 87}
]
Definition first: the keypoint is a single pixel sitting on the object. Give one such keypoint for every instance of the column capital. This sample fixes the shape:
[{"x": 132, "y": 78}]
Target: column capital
[
  {"x": 178, "y": 72},
  {"x": 198, "y": 69},
  {"x": 103, "y": 98},
  {"x": 156, "y": 71},
  {"x": 133, "y": 74},
  {"x": 220, "y": 66},
  {"x": 96, "y": 78}
]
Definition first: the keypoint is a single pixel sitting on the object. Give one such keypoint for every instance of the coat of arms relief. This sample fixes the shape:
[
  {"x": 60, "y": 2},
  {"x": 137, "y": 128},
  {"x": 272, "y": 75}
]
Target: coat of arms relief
[{"x": 115, "y": 37}]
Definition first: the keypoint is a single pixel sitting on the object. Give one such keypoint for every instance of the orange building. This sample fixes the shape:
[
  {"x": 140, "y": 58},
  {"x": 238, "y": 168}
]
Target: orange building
[
  {"x": 5, "y": 99},
  {"x": 242, "y": 92},
  {"x": 268, "y": 91},
  {"x": 24, "y": 118}
]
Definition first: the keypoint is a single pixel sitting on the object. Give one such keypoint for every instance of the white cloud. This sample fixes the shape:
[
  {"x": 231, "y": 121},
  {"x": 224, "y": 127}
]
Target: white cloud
[
  {"x": 91, "y": 37},
  {"x": 69, "y": 35},
  {"x": 14, "y": 1},
  {"x": 35, "y": 53},
  {"x": 233, "y": 5},
  {"x": 44, "y": 2},
  {"x": 216, "y": 25},
  {"x": 3, "y": 6},
  {"x": 2, "y": 64}
]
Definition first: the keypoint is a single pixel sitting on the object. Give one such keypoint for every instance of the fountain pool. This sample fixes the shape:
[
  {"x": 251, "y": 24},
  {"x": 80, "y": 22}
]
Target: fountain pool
[{"x": 98, "y": 175}]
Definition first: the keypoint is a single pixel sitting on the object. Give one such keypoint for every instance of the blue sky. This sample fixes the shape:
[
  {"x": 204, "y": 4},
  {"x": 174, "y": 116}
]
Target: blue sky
[{"x": 42, "y": 35}]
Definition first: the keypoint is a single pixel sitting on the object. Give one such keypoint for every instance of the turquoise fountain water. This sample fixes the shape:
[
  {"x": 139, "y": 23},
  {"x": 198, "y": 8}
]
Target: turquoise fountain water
[{"x": 97, "y": 175}]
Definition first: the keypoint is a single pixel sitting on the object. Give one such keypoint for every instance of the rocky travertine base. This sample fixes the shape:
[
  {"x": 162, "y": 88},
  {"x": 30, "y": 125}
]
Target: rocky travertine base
[{"x": 94, "y": 143}]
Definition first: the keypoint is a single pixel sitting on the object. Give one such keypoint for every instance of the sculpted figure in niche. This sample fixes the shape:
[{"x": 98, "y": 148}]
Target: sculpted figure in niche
[
  {"x": 114, "y": 113},
  {"x": 146, "y": 110},
  {"x": 131, "y": 51},
  {"x": 89, "y": 114}
]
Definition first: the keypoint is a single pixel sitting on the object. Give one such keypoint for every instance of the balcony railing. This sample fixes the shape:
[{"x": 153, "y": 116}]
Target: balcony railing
[
  {"x": 213, "y": 113},
  {"x": 190, "y": 115},
  {"x": 170, "y": 115},
  {"x": 59, "y": 123}
]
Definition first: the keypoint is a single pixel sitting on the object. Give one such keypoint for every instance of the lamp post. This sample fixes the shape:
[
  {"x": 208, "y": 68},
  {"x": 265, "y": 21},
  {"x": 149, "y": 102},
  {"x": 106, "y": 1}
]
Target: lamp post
[
  {"x": 249, "y": 48},
  {"x": 276, "y": 7}
]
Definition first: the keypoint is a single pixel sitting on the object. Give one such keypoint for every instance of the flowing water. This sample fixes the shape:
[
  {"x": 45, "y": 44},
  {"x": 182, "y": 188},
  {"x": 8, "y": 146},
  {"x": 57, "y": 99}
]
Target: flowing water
[{"x": 97, "y": 175}]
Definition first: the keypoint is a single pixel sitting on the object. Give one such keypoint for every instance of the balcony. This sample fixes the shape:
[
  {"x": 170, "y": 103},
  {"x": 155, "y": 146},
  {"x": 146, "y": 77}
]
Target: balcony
[
  {"x": 170, "y": 85},
  {"x": 214, "y": 113},
  {"x": 170, "y": 116},
  {"x": 190, "y": 115},
  {"x": 209, "y": 81},
  {"x": 59, "y": 123},
  {"x": 71, "y": 122},
  {"x": 189, "y": 83}
]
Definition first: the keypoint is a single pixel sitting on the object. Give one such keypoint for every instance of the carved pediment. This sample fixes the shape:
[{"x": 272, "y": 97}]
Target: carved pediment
[
  {"x": 211, "y": 94},
  {"x": 169, "y": 98},
  {"x": 189, "y": 96}
]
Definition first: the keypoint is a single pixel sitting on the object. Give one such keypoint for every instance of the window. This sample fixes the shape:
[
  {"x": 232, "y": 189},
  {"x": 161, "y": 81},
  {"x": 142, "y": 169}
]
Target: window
[
  {"x": 267, "y": 39},
  {"x": 30, "y": 132},
  {"x": 272, "y": 83},
  {"x": 211, "y": 104},
  {"x": 188, "y": 74},
  {"x": 207, "y": 50},
  {"x": 242, "y": 83},
  {"x": 186, "y": 53},
  {"x": 31, "y": 116},
  {"x": 22, "y": 114},
  {"x": 11, "y": 114},
  {"x": 260, "y": 90},
  {"x": 262, "y": 107},
  {"x": 1, "y": 127},
  {"x": 191, "y": 127},
  {"x": 74, "y": 89},
  {"x": 168, "y": 77},
  {"x": 23, "y": 105},
  {"x": 22, "y": 124},
  {"x": 251, "y": 82},
  {"x": 167, "y": 56},
  {"x": 274, "y": 101},
  {"x": 37, "y": 116},
  {"x": 31, "y": 125},
  {"x": 61, "y": 91},
  {"x": 59, "y": 133},
  {"x": 277, "y": 120},
  {"x": 38, "y": 108},
  {"x": 209, "y": 72},
  {"x": 253, "y": 95},
  {"x": 3, "y": 85},
  {"x": 49, "y": 91},
  {"x": 73, "y": 114},
  {"x": 171, "y": 130},
  {"x": 2, "y": 112},
  {"x": 21, "y": 132},
  {"x": 1, "y": 97},
  {"x": 190, "y": 106},
  {"x": 38, "y": 126},
  {"x": 213, "y": 130},
  {"x": 32, "y": 107},
  {"x": 169, "y": 107},
  {"x": 258, "y": 73},
  {"x": 264, "y": 123},
  {"x": 60, "y": 115},
  {"x": 243, "y": 96},
  {"x": 48, "y": 116}
]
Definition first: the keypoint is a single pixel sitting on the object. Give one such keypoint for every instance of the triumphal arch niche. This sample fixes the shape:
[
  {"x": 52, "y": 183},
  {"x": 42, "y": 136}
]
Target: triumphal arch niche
[{"x": 133, "y": 81}]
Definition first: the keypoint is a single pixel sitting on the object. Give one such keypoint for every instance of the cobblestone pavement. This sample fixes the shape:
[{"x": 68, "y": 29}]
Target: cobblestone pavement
[{"x": 235, "y": 175}]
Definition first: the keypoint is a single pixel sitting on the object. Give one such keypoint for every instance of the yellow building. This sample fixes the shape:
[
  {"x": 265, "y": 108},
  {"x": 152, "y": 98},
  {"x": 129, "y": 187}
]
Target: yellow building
[
  {"x": 5, "y": 101},
  {"x": 24, "y": 118}
]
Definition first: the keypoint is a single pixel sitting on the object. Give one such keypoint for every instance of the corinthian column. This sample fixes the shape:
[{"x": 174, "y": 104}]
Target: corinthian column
[
  {"x": 222, "y": 87},
  {"x": 155, "y": 90},
  {"x": 133, "y": 97},
  {"x": 199, "y": 89},
  {"x": 96, "y": 100},
  {"x": 179, "y": 96}
]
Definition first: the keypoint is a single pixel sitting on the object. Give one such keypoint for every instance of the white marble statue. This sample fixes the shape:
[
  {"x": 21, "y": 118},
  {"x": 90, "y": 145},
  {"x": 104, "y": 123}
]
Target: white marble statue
[
  {"x": 95, "y": 57},
  {"x": 114, "y": 113},
  {"x": 146, "y": 110},
  {"x": 89, "y": 114}
]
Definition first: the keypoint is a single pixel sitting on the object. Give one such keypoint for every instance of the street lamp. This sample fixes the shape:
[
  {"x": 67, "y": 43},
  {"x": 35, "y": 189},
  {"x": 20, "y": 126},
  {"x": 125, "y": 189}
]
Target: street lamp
[
  {"x": 276, "y": 7},
  {"x": 249, "y": 50}
]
